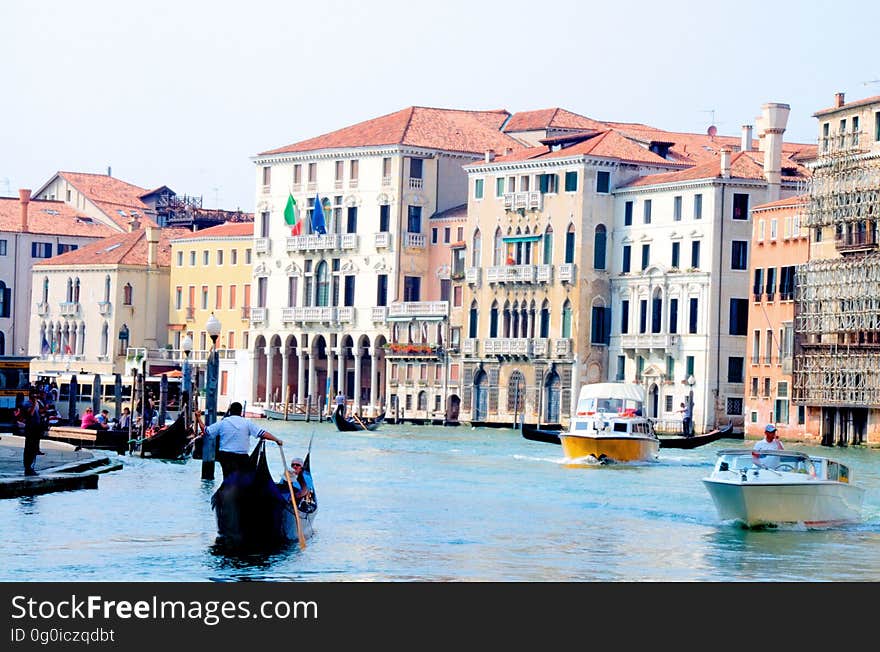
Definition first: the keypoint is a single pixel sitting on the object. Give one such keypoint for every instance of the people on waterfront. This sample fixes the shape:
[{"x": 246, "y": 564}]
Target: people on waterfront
[
  {"x": 687, "y": 418},
  {"x": 125, "y": 419},
  {"x": 33, "y": 430},
  {"x": 104, "y": 418},
  {"x": 770, "y": 442},
  {"x": 90, "y": 421},
  {"x": 232, "y": 434}
]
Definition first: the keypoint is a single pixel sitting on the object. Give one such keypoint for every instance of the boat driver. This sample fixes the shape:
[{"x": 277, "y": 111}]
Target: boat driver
[{"x": 769, "y": 443}]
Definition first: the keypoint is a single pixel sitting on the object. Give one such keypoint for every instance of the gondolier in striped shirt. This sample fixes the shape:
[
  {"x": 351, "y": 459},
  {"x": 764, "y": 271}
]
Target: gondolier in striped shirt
[{"x": 233, "y": 434}]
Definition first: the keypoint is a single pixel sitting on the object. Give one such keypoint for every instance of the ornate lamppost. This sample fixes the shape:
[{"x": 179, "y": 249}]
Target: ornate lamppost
[{"x": 209, "y": 448}]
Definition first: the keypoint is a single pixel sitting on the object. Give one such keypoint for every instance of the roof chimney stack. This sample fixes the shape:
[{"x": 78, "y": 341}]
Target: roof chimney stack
[
  {"x": 490, "y": 155},
  {"x": 152, "y": 246},
  {"x": 24, "y": 194},
  {"x": 133, "y": 224},
  {"x": 746, "y": 144},
  {"x": 838, "y": 99},
  {"x": 775, "y": 121},
  {"x": 508, "y": 151},
  {"x": 725, "y": 162},
  {"x": 109, "y": 173}
]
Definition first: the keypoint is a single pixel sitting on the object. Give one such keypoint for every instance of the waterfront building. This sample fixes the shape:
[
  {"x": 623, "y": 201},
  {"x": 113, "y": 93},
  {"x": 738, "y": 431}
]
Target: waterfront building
[
  {"x": 779, "y": 244},
  {"x": 211, "y": 273},
  {"x": 352, "y": 258},
  {"x": 32, "y": 230},
  {"x": 680, "y": 274},
  {"x": 837, "y": 324}
]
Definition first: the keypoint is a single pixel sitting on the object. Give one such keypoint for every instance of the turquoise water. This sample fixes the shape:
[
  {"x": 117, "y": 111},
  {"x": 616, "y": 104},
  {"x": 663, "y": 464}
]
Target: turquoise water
[{"x": 428, "y": 503}]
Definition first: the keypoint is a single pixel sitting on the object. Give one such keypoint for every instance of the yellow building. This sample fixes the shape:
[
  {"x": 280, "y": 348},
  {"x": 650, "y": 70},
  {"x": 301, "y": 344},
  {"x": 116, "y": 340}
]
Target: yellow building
[{"x": 211, "y": 272}]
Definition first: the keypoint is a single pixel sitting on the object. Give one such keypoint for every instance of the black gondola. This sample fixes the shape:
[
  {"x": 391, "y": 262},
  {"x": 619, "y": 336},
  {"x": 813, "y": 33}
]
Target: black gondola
[
  {"x": 355, "y": 423},
  {"x": 111, "y": 440},
  {"x": 169, "y": 443},
  {"x": 548, "y": 435},
  {"x": 255, "y": 512},
  {"x": 679, "y": 441}
]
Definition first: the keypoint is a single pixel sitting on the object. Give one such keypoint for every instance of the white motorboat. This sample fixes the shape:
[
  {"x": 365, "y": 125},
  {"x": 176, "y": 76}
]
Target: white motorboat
[
  {"x": 768, "y": 488},
  {"x": 609, "y": 425}
]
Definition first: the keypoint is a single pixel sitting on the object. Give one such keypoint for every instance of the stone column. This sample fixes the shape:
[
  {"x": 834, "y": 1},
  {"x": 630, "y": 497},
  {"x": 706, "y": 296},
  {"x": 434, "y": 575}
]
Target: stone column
[
  {"x": 301, "y": 378},
  {"x": 285, "y": 363},
  {"x": 270, "y": 354},
  {"x": 313, "y": 381},
  {"x": 357, "y": 382},
  {"x": 374, "y": 382},
  {"x": 340, "y": 373},
  {"x": 330, "y": 371}
]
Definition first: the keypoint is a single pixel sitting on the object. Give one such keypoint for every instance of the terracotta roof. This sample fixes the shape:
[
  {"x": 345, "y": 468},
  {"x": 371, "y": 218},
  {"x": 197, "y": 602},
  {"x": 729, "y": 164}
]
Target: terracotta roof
[
  {"x": 111, "y": 195},
  {"x": 227, "y": 230},
  {"x": 549, "y": 119},
  {"x": 743, "y": 165},
  {"x": 848, "y": 105},
  {"x": 443, "y": 129},
  {"x": 50, "y": 217},
  {"x": 450, "y": 213},
  {"x": 797, "y": 200},
  {"x": 120, "y": 249}
]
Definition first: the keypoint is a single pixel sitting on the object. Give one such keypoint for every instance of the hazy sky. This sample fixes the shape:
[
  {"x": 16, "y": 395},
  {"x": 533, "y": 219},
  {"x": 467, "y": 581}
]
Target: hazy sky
[{"x": 184, "y": 93}]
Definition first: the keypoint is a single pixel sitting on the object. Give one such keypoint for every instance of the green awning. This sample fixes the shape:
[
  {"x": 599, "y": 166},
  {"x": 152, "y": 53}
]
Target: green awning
[{"x": 522, "y": 238}]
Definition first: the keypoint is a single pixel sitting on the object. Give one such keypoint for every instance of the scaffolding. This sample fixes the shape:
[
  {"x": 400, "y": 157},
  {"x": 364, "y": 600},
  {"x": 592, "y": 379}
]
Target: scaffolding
[{"x": 837, "y": 312}]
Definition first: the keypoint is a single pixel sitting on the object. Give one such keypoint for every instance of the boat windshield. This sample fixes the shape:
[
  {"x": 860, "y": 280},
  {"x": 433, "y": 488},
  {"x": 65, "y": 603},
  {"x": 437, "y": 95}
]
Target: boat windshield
[
  {"x": 590, "y": 405},
  {"x": 778, "y": 460}
]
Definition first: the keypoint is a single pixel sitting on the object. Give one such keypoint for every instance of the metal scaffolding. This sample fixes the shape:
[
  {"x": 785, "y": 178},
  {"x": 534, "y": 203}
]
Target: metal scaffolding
[{"x": 838, "y": 377}]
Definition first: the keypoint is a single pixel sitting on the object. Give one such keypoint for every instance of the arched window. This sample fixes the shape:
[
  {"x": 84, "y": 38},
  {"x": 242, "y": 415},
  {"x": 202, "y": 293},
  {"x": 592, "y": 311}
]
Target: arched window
[
  {"x": 656, "y": 311},
  {"x": 493, "y": 320},
  {"x": 5, "y": 300},
  {"x": 548, "y": 246},
  {"x": 45, "y": 289},
  {"x": 107, "y": 288},
  {"x": 127, "y": 294},
  {"x": 505, "y": 327},
  {"x": 569, "y": 244},
  {"x": 516, "y": 389},
  {"x": 523, "y": 320},
  {"x": 566, "y": 319},
  {"x": 69, "y": 294},
  {"x": 532, "y": 319},
  {"x": 498, "y": 257},
  {"x": 477, "y": 251},
  {"x": 105, "y": 338},
  {"x": 76, "y": 290},
  {"x": 422, "y": 404},
  {"x": 2, "y": 343},
  {"x": 473, "y": 320},
  {"x": 599, "y": 240},
  {"x": 323, "y": 282},
  {"x": 545, "y": 319}
]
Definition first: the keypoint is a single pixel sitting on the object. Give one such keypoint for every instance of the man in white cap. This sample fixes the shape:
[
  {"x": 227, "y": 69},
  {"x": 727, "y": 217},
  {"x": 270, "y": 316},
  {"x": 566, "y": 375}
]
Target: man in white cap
[{"x": 769, "y": 443}]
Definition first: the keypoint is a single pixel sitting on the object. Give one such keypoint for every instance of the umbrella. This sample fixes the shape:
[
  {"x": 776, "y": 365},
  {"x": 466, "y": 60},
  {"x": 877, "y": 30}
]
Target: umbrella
[
  {"x": 96, "y": 395},
  {"x": 117, "y": 394},
  {"x": 73, "y": 395}
]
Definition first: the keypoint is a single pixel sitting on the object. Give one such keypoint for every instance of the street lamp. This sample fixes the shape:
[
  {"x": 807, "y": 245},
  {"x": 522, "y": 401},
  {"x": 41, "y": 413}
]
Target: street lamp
[
  {"x": 212, "y": 368},
  {"x": 690, "y": 382}
]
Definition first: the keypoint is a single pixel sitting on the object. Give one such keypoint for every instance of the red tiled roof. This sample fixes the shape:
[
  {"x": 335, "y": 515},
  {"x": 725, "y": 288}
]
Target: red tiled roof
[
  {"x": 120, "y": 249},
  {"x": 443, "y": 129},
  {"x": 111, "y": 195},
  {"x": 549, "y": 119},
  {"x": 227, "y": 230},
  {"x": 848, "y": 105},
  {"x": 797, "y": 200},
  {"x": 743, "y": 165},
  {"x": 50, "y": 217}
]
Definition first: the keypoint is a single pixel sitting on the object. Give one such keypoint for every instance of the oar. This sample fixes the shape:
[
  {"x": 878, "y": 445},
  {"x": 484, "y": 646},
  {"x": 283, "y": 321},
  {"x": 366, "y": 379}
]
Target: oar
[
  {"x": 355, "y": 417},
  {"x": 299, "y": 530}
]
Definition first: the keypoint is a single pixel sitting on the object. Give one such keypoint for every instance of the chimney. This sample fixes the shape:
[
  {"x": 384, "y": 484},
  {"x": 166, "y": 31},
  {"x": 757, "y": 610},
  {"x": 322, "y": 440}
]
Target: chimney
[
  {"x": 759, "y": 131},
  {"x": 133, "y": 224},
  {"x": 508, "y": 151},
  {"x": 746, "y": 144},
  {"x": 152, "y": 246},
  {"x": 725, "y": 162},
  {"x": 109, "y": 174},
  {"x": 775, "y": 121},
  {"x": 490, "y": 155},
  {"x": 24, "y": 195},
  {"x": 838, "y": 99}
]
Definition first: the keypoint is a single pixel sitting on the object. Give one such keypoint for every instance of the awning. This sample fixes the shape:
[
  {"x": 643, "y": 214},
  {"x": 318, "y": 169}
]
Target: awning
[{"x": 522, "y": 238}]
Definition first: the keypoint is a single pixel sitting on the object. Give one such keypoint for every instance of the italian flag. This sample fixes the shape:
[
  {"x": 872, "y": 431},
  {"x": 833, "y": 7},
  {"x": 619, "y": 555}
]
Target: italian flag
[{"x": 290, "y": 216}]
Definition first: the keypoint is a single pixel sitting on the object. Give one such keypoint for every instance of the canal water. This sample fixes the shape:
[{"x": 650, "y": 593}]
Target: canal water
[{"x": 428, "y": 503}]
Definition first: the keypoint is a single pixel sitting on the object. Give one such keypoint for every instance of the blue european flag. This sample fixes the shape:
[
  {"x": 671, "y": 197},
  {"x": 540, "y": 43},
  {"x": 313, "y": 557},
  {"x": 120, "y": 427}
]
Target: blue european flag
[{"x": 319, "y": 225}]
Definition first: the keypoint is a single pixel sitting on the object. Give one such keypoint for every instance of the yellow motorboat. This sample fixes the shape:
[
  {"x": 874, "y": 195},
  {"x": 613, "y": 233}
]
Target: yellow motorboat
[{"x": 609, "y": 425}]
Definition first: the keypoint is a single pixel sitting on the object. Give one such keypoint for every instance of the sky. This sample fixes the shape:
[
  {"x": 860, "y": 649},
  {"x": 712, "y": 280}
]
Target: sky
[{"x": 184, "y": 93}]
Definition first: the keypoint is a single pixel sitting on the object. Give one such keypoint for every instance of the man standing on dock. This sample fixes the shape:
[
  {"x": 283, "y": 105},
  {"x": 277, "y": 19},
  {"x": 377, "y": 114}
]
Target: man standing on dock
[{"x": 33, "y": 430}]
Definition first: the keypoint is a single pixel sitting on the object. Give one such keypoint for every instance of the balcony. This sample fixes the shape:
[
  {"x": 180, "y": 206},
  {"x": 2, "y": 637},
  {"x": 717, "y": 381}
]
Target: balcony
[
  {"x": 858, "y": 241},
  {"x": 529, "y": 200},
  {"x": 105, "y": 308},
  {"x": 472, "y": 276},
  {"x": 380, "y": 314},
  {"x": 313, "y": 314},
  {"x": 562, "y": 348},
  {"x": 258, "y": 315},
  {"x": 327, "y": 242},
  {"x": 408, "y": 309},
  {"x": 509, "y": 346},
  {"x": 567, "y": 273},
  {"x": 345, "y": 315},
  {"x": 470, "y": 347},
  {"x": 544, "y": 273},
  {"x": 262, "y": 245},
  {"x": 43, "y": 308},
  {"x": 69, "y": 308},
  {"x": 511, "y": 274},
  {"x": 405, "y": 350},
  {"x": 416, "y": 184},
  {"x": 287, "y": 315},
  {"x": 540, "y": 347},
  {"x": 383, "y": 240},
  {"x": 648, "y": 341},
  {"x": 414, "y": 241},
  {"x": 386, "y": 182}
]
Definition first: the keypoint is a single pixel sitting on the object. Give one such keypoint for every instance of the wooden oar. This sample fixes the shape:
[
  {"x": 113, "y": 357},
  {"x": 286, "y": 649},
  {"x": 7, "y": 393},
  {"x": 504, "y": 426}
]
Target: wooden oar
[
  {"x": 299, "y": 530},
  {"x": 355, "y": 417}
]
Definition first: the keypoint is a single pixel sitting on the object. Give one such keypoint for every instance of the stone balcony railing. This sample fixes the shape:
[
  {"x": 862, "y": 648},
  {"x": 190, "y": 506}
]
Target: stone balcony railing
[
  {"x": 105, "y": 308},
  {"x": 540, "y": 347},
  {"x": 69, "y": 308},
  {"x": 414, "y": 240},
  {"x": 512, "y": 274},
  {"x": 416, "y": 184},
  {"x": 648, "y": 341},
  {"x": 326, "y": 242},
  {"x": 258, "y": 315},
  {"x": 473, "y": 275},
  {"x": 43, "y": 308},
  {"x": 529, "y": 200},
  {"x": 380, "y": 314},
  {"x": 419, "y": 309},
  {"x": 512, "y": 346},
  {"x": 383, "y": 240},
  {"x": 562, "y": 347},
  {"x": 470, "y": 346},
  {"x": 262, "y": 245},
  {"x": 567, "y": 273}
]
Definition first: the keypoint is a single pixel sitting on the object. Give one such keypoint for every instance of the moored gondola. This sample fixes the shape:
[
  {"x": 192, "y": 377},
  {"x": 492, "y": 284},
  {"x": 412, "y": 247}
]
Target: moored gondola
[
  {"x": 548, "y": 435},
  {"x": 355, "y": 423},
  {"x": 694, "y": 441},
  {"x": 173, "y": 442},
  {"x": 255, "y": 512}
]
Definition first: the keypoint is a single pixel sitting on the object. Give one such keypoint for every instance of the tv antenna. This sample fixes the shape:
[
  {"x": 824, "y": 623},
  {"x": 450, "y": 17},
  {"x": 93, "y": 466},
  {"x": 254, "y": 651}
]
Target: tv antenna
[{"x": 871, "y": 81}]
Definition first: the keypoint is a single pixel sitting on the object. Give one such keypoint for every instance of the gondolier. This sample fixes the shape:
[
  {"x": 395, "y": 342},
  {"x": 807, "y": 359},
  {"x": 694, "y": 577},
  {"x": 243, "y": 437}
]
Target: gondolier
[{"x": 233, "y": 434}]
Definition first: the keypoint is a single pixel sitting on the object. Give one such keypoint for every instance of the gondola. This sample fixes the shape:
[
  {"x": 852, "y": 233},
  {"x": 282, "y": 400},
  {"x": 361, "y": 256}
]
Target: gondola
[
  {"x": 355, "y": 423},
  {"x": 255, "y": 513},
  {"x": 548, "y": 435},
  {"x": 169, "y": 443},
  {"x": 679, "y": 441},
  {"x": 112, "y": 440}
]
